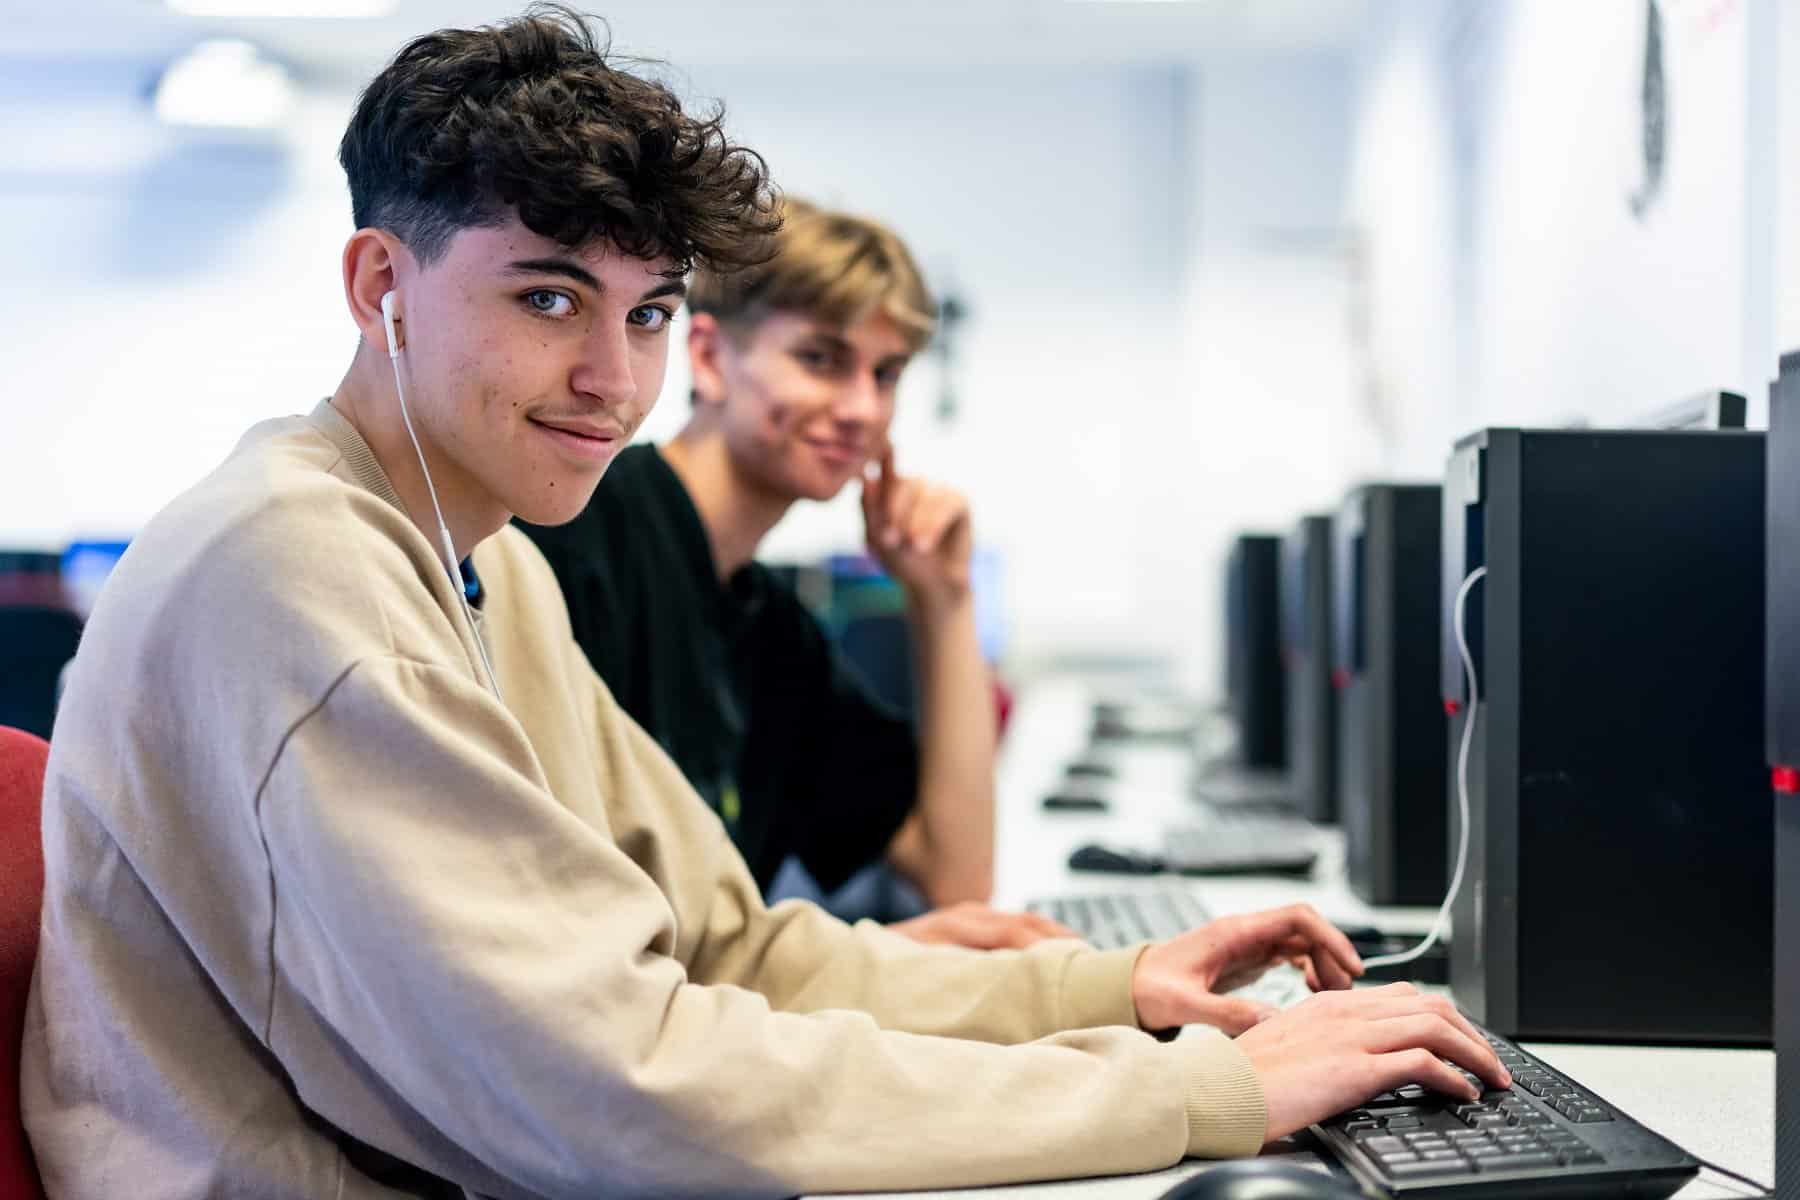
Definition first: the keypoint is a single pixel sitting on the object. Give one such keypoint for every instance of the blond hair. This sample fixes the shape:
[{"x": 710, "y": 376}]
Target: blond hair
[{"x": 829, "y": 265}]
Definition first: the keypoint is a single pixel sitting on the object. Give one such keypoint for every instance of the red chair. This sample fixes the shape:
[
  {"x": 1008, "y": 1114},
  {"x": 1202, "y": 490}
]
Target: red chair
[{"x": 22, "y": 759}]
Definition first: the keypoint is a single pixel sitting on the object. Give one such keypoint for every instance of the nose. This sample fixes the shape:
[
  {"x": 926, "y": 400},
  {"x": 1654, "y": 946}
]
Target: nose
[
  {"x": 859, "y": 401},
  {"x": 604, "y": 371}
]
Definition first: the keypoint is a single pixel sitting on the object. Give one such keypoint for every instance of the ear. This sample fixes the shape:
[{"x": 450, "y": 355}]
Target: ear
[
  {"x": 375, "y": 263},
  {"x": 708, "y": 347}
]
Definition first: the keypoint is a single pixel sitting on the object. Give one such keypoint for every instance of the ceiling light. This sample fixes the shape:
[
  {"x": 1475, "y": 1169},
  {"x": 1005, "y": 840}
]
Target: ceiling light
[
  {"x": 224, "y": 83},
  {"x": 337, "y": 9}
]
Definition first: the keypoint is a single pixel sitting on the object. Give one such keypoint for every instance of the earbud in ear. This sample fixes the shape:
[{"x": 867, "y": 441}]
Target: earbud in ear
[{"x": 387, "y": 321}]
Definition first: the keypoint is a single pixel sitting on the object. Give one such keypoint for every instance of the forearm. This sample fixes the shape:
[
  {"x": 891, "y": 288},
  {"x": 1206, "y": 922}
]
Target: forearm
[{"x": 947, "y": 846}]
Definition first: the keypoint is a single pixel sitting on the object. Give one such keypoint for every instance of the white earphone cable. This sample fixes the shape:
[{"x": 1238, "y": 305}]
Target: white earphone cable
[
  {"x": 449, "y": 547},
  {"x": 1439, "y": 926}
]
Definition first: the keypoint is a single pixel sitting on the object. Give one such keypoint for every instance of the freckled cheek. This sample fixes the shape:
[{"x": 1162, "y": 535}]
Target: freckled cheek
[{"x": 788, "y": 410}]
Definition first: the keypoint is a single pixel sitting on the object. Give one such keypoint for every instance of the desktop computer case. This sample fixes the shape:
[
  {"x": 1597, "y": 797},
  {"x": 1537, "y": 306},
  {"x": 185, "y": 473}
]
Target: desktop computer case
[
  {"x": 1254, "y": 686},
  {"x": 1386, "y": 550},
  {"x": 1306, "y": 659},
  {"x": 1618, "y": 886},
  {"x": 1783, "y": 715}
]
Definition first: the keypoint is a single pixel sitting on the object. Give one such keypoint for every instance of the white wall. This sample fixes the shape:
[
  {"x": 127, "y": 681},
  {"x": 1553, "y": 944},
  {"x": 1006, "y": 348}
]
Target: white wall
[
  {"x": 1498, "y": 144},
  {"x": 1264, "y": 424},
  {"x": 161, "y": 293},
  {"x": 1786, "y": 43}
]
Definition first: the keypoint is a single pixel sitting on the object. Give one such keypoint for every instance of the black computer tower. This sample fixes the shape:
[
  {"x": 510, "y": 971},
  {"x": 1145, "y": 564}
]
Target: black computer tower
[
  {"x": 1306, "y": 661},
  {"x": 1255, "y": 690},
  {"x": 1783, "y": 717},
  {"x": 1618, "y": 883},
  {"x": 1384, "y": 579}
]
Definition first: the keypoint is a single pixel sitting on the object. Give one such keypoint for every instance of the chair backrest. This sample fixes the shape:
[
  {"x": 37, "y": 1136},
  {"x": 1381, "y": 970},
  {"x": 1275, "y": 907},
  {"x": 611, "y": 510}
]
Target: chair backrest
[
  {"x": 34, "y": 645},
  {"x": 22, "y": 758}
]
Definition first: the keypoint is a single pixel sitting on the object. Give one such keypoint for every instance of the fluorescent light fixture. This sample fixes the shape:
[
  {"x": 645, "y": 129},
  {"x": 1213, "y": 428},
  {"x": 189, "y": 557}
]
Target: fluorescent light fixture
[
  {"x": 335, "y": 9},
  {"x": 224, "y": 83}
]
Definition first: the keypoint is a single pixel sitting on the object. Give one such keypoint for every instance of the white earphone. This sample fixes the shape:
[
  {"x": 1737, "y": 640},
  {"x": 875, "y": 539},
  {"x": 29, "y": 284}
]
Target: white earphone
[
  {"x": 448, "y": 546},
  {"x": 387, "y": 321}
]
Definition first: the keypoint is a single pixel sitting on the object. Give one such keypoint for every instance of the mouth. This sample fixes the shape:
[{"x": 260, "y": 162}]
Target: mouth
[
  {"x": 838, "y": 454},
  {"x": 590, "y": 443}
]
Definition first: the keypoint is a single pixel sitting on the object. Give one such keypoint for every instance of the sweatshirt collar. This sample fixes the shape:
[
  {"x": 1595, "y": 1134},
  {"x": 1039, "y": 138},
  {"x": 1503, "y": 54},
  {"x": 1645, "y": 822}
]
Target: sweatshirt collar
[
  {"x": 367, "y": 471},
  {"x": 357, "y": 454}
]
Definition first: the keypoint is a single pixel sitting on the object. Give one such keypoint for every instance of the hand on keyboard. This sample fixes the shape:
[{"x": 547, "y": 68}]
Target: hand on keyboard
[
  {"x": 1181, "y": 981},
  {"x": 1337, "y": 1049},
  {"x": 979, "y": 927}
]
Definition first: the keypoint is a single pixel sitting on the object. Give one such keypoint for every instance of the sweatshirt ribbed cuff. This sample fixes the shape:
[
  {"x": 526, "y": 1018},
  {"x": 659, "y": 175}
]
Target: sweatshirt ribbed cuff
[
  {"x": 1226, "y": 1110},
  {"x": 1096, "y": 989}
]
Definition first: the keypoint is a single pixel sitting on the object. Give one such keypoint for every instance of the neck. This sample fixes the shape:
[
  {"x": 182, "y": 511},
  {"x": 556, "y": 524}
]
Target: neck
[
  {"x": 736, "y": 512},
  {"x": 366, "y": 399}
]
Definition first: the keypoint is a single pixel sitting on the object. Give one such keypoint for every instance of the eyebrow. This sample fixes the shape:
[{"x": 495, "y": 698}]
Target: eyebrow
[
  {"x": 840, "y": 343},
  {"x": 572, "y": 270},
  {"x": 554, "y": 266}
]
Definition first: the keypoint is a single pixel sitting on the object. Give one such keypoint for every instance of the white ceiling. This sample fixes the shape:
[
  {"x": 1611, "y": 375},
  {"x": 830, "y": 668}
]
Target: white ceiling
[{"x": 694, "y": 33}]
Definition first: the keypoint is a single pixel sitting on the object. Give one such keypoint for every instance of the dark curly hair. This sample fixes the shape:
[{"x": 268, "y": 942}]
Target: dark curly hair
[{"x": 467, "y": 126}]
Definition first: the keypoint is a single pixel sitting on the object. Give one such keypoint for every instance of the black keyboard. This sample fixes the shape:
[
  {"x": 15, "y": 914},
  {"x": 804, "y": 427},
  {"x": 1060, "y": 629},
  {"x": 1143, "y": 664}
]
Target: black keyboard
[
  {"x": 1125, "y": 919},
  {"x": 1231, "y": 843},
  {"x": 1112, "y": 921},
  {"x": 1547, "y": 1135}
]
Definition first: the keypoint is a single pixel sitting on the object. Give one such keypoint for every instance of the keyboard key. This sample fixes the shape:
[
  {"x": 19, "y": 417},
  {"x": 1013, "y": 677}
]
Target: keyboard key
[
  {"x": 1590, "y": 1116},
  {"x": 1383, "y": 1145},
  {"x": 1423, "y": 1168},
  {"x": 1405, "y": 1122},
  {"x": 1516, "y": 1162}
]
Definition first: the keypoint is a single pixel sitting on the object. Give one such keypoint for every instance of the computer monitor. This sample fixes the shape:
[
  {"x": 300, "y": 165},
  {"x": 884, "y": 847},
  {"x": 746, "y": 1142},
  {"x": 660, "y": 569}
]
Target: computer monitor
[
  {"x": 1254, "y": 687},
  {"x": 1384, "y": 580},
  {"x": 1618, "y": 883},
  {"x": 1306, "y": 661},
  {"x": 1782, "y": 713},
  {"x": 1703, "y": 410}
]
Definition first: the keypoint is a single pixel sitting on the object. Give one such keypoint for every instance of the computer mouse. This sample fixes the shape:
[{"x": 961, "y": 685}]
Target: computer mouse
[
  {"x": 1116, "y": 862},
  {"x": 1075, "y": 802},
  {"x": 1089, "y": 768},
  {"x": 1263, "y": 1179}
]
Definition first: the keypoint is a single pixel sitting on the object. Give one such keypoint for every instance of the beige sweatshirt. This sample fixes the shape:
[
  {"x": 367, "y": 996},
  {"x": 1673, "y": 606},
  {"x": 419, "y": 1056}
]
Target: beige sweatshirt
[{"x": 324, "y": 919}]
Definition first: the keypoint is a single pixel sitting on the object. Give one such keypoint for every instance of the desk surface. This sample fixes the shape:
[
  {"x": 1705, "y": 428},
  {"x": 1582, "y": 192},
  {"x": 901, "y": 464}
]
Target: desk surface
[{"x": 1717, "y": 1104}]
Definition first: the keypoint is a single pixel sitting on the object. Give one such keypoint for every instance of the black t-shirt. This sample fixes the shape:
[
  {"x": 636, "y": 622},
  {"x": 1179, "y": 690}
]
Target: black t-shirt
[{"x": 736, "y": 682}]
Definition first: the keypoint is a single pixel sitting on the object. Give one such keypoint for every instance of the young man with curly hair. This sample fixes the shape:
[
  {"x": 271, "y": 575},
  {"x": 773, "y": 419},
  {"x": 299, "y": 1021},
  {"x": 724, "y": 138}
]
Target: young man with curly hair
[
  {"x": 795, "y": 366},
  {"x": 359, "y": 884}
]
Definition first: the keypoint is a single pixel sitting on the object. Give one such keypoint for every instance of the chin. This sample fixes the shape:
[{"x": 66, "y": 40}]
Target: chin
[
  {"x": 558, "y": 505},
  {"x": 820, "y": 491},
  {"x": 822, "y": 485}
]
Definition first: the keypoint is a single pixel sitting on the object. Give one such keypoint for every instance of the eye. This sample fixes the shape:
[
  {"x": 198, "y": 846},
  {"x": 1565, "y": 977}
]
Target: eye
[
  {"x": 652, "y": 317},
  {"x": 889, "y": 377},
  {"x": 550, "y": 303}
]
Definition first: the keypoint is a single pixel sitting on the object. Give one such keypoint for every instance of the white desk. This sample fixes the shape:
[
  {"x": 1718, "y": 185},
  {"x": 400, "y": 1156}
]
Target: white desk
[{"x": 1717, "y": 1104}]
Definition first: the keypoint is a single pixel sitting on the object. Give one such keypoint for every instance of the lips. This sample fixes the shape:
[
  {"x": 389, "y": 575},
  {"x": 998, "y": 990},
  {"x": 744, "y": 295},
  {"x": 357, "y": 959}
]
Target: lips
[
  {"x": 582, "y": 439},
  {"x": 841, "y": 454}
]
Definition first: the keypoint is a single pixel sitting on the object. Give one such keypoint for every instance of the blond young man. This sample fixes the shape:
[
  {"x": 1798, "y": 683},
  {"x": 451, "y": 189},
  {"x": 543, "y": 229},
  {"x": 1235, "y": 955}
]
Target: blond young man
[{"x": 359, "y": 885}]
